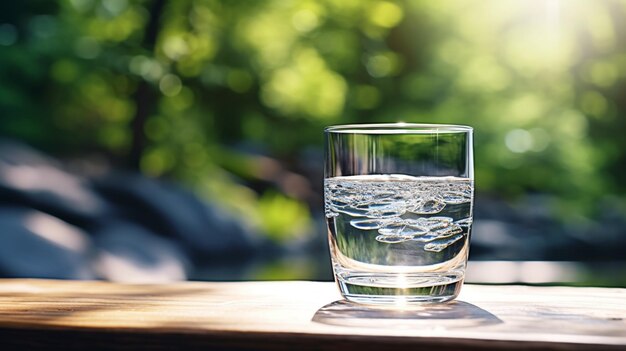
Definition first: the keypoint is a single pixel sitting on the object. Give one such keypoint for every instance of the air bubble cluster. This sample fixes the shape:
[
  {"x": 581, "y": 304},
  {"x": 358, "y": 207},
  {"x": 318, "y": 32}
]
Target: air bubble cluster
[{"x": 401, "y": 208}]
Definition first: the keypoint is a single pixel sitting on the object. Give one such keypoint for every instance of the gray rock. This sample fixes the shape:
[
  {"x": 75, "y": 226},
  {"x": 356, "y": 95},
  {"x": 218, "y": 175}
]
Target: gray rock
[
  {"x": 34, "y": 244},
  {"x": 167, "y": 209},
  {"x": 31, "y": 179},
  {"x": 129, "y": 253}
]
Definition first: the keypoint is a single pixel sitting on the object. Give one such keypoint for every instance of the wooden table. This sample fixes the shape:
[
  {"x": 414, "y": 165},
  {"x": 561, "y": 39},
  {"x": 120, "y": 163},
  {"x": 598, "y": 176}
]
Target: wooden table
[{"x": 73, "y": 315}]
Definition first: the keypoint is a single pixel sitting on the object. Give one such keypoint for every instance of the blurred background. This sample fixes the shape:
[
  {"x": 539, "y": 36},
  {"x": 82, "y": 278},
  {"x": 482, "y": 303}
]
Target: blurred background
[{"x": 161, "y": 140}]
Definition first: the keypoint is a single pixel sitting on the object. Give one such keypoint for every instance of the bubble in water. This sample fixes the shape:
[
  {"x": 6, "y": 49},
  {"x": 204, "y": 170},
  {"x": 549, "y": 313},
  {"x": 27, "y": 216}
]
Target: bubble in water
[
  {"x": 439, "y": 233},
  {"x": 440, "y": 219},
  {"x": 455, "y": 197},
  {"x": 391, "y": 239},
  {"x": 431, "y": 222},
  {"x": 448, "y": 231},
  {"x": 386, "y": 207},
  {"x": 429, "y": 206},
  {"x": 382, "y": 199},
  {"x": 414, "y": 231},
  {"x": 366, "y": 224},
  {"x": 353, "y": 211},
  {"x": 430, "y": 236},
  {"x": 400, "y": 211},
  {"x": 392, "y": 229},
  {"x": 440, "y": 245},
  {"x": 465, "y": 222},
  {"x": 384, "y": 215}
]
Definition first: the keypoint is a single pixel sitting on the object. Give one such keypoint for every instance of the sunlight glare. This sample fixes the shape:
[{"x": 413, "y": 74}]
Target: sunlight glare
[{"x": 57, "y": 232}]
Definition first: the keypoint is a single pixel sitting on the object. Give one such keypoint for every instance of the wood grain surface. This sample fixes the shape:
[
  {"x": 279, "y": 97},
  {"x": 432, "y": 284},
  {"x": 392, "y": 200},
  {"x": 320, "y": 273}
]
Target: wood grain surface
[{"x": 73, "y": 315}]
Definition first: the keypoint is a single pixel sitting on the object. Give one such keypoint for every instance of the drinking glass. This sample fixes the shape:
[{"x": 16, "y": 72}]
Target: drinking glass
[{"x": 398, "y": 202}]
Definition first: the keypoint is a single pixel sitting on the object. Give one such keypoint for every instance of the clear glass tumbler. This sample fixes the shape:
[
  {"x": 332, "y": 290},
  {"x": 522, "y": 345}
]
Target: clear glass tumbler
[{"x": 398, "y": 203}]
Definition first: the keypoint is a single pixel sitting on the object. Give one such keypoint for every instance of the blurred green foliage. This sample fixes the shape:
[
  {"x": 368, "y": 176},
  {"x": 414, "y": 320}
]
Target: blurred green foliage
[{"x": 175, "y": 86}]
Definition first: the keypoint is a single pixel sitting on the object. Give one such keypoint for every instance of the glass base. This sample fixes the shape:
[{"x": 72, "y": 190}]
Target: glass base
[{"x": 399, "y": 289}]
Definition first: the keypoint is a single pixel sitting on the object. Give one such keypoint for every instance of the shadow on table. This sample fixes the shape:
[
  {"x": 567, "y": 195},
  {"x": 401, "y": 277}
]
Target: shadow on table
[{"x": 451, "y": 315}]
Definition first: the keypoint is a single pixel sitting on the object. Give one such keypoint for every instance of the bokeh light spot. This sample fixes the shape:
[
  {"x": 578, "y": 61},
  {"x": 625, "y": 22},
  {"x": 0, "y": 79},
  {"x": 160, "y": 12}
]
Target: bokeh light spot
[
  {"x": 157, "y": 161},
  {"x": 148, "y": 68},
  {"x": 306, "y": 87},
  {"x": 382, "y": 65},
  {"x": 64, "y": 71},
  {"x": 43, "y": 26},
  {"x": 87, "y": 48},
  {"x": 175, "y": 47},
  {"x": 81, "y": 5},
  {"x": 170, "y": 85},
  {"x": 385, "y": 14},
  {"x": 114, "y": 137},
  {"x": 540, "y": 138},
  {"x": 593, "y": 104},
  {"x": 239, "y": 81},
  {"x": 518, "y": 140},
  {"x": 114, "y": 7},
  {"x": 602, "y": 74},
  {"x": 305, "y": 21},
  {"x": 573, "y": 124},
  {"x": 8, "y": 34}
]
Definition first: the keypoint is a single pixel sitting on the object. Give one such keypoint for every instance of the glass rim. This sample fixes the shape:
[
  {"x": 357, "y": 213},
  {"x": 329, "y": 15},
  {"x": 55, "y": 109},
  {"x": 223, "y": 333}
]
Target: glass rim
[{"x": 397, "y": 128}]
